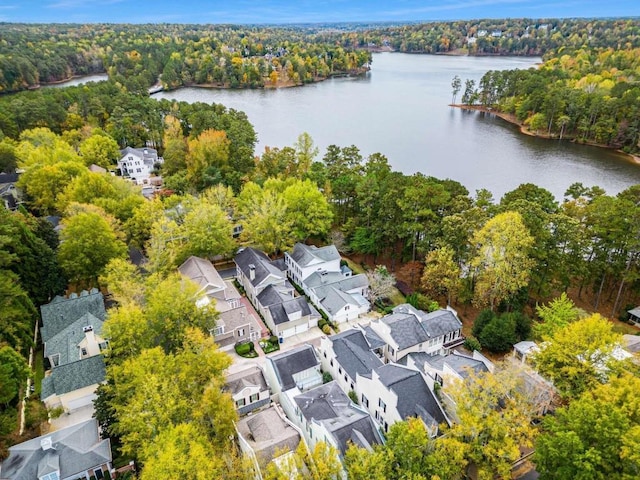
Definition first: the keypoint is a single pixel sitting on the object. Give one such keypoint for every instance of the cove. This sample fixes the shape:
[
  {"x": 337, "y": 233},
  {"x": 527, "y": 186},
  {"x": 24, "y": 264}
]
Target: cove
[{"x": 400, "y": 109}]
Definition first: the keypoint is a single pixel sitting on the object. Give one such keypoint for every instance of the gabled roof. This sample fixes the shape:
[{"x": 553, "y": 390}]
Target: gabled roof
[
  {"x": 287, "y": 364},
  {"x": 148, "y": 155},
  {"x": 280, "y": 312},
  {"x": 337, "y": 280},
  {"x": 306, "y": 255},
  {"x": 373, "y": 339},
  {"x": 251, "y": 377},
  {"x": 334, "y": 300},
  {"x": 73, "y": 376},
  {"x": 75, "y": 449},
  {"x": 440, "y": 323},
  {"x": 354, "y": 354},
  {"x": 415, "y": 399},
  {"x": 201, "y": 272},
  {"x": 61, "y": 311},
  {"x": 329, "y": 405},
  {"x": 268, "y": 433},
  {"x": 463, "y": 365},
  {"x": 406, "y": 330},
  {"x": 66, "y": 341},
  {"x": 250, "y": 258}
]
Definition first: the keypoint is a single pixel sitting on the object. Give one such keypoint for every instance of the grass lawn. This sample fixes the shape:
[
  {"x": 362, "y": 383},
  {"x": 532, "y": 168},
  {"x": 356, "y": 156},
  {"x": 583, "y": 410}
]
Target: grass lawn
[{"x": 38, "y": 371}]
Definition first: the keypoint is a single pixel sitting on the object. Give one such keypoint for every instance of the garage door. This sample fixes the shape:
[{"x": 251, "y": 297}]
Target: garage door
[
  {"x": 80, "y": 402},
  {"x": 287, "y": 332}
]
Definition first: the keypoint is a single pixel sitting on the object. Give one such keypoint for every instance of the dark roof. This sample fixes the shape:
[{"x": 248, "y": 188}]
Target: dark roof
[
  {"x": 270, "y": 296},
  {"x": 61, "y": 311},
  {"x": 137, "y": 258},
  {"x": 405, "y": 329},
  {"x": 329, "y": 405},
  {"x": 75, "y": 449},
  {"x": 373, "y": 338},
  {"x": 354, "y": 354},
  {"x": 414, "y": 397},
  {"x": 8, "y": 178},
  {"x": 73, "y": 376},
  {"x": 441, "y": 322},
  {"x": 250, "y": 258},
  {"x": 280, "y": 312},
  {"x": 294, "y": 361},
  {"x": 66, "y": 341}
]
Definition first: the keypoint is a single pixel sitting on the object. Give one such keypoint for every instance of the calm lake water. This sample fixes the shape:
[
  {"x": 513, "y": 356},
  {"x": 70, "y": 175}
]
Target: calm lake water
[
  {"x": 98, "y": 77},
  {"x": 401, "y": 109}
]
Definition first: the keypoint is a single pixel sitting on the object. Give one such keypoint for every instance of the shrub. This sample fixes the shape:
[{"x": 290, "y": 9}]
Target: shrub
[
  {"x": 243, "y": 348},
  {"x": 354, "y": 397},
  {"x": 499, "y": 334},
  {"x": 321, "y": 323},
  {"x": 472, "y": 343},
  {"x": 273, "y": 339},
  {"x": 481, "y": 321},
  {"x": 326, "y": 329},
  {"x": 326, "y": 377},
  {"x": 56, "y": 412}
]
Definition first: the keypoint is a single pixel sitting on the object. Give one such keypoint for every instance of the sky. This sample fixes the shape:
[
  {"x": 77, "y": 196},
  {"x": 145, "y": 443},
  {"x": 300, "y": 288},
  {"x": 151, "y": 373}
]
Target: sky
[{"x": 302, "y": 11}]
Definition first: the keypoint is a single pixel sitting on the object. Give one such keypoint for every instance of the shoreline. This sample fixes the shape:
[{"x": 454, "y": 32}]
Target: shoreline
[{"x": 510, "y": 118}]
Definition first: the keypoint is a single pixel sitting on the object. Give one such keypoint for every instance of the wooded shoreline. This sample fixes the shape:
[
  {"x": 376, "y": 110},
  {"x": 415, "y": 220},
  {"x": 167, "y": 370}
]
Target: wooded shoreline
[{"x": 512, "y": 119}]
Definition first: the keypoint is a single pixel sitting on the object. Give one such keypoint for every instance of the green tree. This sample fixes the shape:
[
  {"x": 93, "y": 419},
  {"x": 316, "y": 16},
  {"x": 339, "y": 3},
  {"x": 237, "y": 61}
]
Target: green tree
[
  {"x": 208, "y": 158},
  {"x": 557, "y": 314},
  {"x": 8, "y": 157},
  {"x": 595, "y": 436},
  {"x": 307, "y": 210},
  {"x": 441, "y": 274},
  {"x": 456, "y": 85},
  {"x": 321, "y": 463},
  {"x": 14, "y": 371},
  {"x": 207, "y": 231},
  {"x": 88, "y": 243},
  {"x": 494, "y": 412},
  {"x": 502, "y": 261},
  {"x": 579, "y": 355},
  {"x": 100, "y": 150}
]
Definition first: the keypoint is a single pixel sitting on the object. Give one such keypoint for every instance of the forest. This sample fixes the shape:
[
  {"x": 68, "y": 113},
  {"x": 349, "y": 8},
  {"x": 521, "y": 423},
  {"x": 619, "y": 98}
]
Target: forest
[{"x": 523, "y": 262}]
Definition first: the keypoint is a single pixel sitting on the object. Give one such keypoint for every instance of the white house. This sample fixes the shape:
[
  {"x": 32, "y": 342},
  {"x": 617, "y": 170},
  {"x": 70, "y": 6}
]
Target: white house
[
  {"x": 248, "y": 389},
  {"x": 326, "y": 414},
  {"x": 235, "y": 322},
  {"x": 347, "y": 355},
  {"x": 330, "y": 286},
  {"x": 408, "y": 330},
  {"x": 444, "y": 369},
  {"x": 394, "y": 393},
  {"x": 138, "y": 164},
  {"x": 295, "y": 369}
]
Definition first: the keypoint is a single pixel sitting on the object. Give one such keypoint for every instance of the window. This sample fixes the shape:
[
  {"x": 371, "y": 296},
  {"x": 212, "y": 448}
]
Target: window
[
  {"x": 240, "y": 332},
  {"x": 241, "y": 403},
  {"x": 382, "y": 405},
  {"x": 218, "y": 330},
  {"x": 340, "y": 370},
  {"x": 331, "y": 362},
  {"x": 365, "y": 401},
  {"x": 386, "y": 427},
  {"x": 55, "y": 360},
  {"x": 83, "y": 352},
  {"x": 138, "y": 170},
  {"x": 346, "y": 379},
  {"x": 325, "y": 354},
  {"x": 254, "y": 397},
  {"x": 103, "y": 345},
  {"x": 51, "y": 476}
]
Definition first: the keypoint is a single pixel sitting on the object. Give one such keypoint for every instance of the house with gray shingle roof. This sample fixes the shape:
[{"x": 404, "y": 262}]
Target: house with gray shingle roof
[
  {"x": 267, "y": 436},
  {"x": 73, "y": 452},
  {"x": 394, "y": 393},
  {"x": 248, "y": 389},
  {"x": 298, "y": 368},
  {"x": 444, "y": 369},
  {"x": 62, "y": 311},
  {"x": 408, "y": 329},
  {"x": 326, "y": 413},
  {"x": 73, "y": 385},
  {"x": 347, "y": 355},
  {"x": 73, "y": 346},
  {"x": 137, "y": 164},
  {"x": 331, "y": 287},
  {"x": 268, "y": 289},
  {"x": 235, "y": 322}
]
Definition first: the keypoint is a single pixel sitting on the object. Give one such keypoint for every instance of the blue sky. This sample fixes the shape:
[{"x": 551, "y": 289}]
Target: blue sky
[{"x": 298, "y": 11}]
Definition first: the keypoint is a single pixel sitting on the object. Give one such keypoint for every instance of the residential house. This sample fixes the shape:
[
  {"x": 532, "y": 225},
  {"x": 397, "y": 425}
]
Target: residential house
[
  {"x": 298, "y": 368},
  {"x": 331, "y": 287},
  {"x": 394, "y": 393},
  {"x": 443, "y": 369},
  {"x": 523, "y": 351},
  {"x": 267, "y": 436},
  {"x": 347, "y": 355},
  {"x": 408, "y": 330},
  {"x": 634, "y": 316},
  {"x": 326, "y": 414},
  {"x": 9, "y": 193},
  {"x": 248, "y": 389},
  {"x": 74, "y": 452},
  {"x": 235, "y": 322},
  {"x": 266, "y": 285},
  {"x": 71, "y": 333},
  {"x": 138, "y": 164}
]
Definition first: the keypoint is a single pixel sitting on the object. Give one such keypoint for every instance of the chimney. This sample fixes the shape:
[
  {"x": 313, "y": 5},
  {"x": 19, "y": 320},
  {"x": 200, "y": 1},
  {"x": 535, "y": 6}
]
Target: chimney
[
  {"x": 46, "y": 444},
  {"x": 252, "y": 272}
]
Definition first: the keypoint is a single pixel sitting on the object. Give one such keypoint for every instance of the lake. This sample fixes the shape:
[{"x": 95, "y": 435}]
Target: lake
[
  {"x": 401, "y": 109},
  {"x": 98, "y": 77}
]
